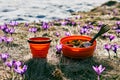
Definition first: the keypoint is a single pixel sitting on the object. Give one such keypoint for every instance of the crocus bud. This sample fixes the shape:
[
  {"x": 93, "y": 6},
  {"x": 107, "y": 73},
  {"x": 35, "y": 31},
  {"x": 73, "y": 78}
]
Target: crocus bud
[
  {"x": 26, "y": 24},
  {"x": 67, "y": 33},
  {"x": 45, "y": 26},
  {"x": 107, "y": 47},
  {"x": 59, "y": 48},
  {"x": 9, "y": 63},
  {"x": 13, "y": 23},
  {"x": 33, "y": 29},
  {"x": 111, "y": 37},
  {"x": 57, "y": 34},
  {"x": 8, "y": 40},
  {"x": 115, "y": 47},
  {"x": 4, "y": 56}
]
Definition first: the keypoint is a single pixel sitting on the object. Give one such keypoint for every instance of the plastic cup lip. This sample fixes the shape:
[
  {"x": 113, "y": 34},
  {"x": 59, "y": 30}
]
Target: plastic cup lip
[{"x": 45, "y": 40}]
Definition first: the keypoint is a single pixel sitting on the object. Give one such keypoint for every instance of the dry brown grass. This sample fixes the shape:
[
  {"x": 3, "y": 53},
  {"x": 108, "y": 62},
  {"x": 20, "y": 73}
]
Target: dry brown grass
[{"x": 58, "y": 67}]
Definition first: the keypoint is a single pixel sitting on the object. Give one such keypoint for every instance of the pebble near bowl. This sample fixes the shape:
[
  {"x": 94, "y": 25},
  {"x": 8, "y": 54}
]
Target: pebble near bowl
[{"x": 78, "y": 53}]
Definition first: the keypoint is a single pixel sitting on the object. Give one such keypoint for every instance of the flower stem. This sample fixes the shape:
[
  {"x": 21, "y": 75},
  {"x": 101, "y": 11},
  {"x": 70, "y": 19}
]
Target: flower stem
[
  {"x": 109, "y": 54},
  {"x": 98, "y": 77},
  {"x": 13, "y": 75},
  {"x": 116, "y": 55}
]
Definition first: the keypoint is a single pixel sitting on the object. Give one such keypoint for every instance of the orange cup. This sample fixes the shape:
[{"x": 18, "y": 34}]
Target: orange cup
[
  {"x": 72, "y": 52},
  {"x": 39, "y": 46}
]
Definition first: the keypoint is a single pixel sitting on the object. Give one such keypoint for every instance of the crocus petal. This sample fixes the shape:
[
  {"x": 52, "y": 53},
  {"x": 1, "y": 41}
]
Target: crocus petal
[
  {"x": 4, "y": 56},
  {"x": 67, "y": 33},
  {"x": 26, "y": 24},
  {"x": 95, "y": 68},
  {"x": 17, "y": 64},
  {"x": 9, "y": 63},
  {"x": 111, "y": 37},
  {"x": 58, "y": 48},
  {"x": 99, "y": 69},
  {"x": 102, "y": 70},
  {"x": 12, "y": 30},
  {"x": 57, "y": 34},
  {"x": 45, "y": 25},
  {"x": 25, "y": 67},
  {"x": 107, "y": 47},
  {"x": 21, "y": 70}
]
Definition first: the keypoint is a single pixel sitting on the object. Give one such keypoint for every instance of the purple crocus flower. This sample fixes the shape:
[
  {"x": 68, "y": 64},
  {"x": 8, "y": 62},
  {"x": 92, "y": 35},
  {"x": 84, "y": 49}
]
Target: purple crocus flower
[
  {"x": 26, "y": 24},
  {"x": 115, "y": 48},
  {"x": 90, "y": 26},
  {"x": 118, "y": 31},
  {"x": 33, "y": 29},
  {"x": 100, "y": 24},
  {"x": 8, "y": 40},
  {"x": 11, "y": 30},
  {"x": 3, "y": 27},
  {"x": 57, "y": 34},
  {"x": 59, "y": 48},
  {"x": 45, "y": 26},
  {"x": 13, "y": 23},
  {"x": 83, "y": 30},
  {"x": 97, "y": 28},
  {"x": 6, "y": 30},
  {"x": 4, "y": 56},
  {"x": 118, "y": 24},
  {"x": 98, "y": 69},
  {"x": 21, "y": 69},
  {"x": 111, "y": 37},
  {"x": 67, "y": 33},
  {"x": 105, "y": 35},
  {"x": 63, "y": 23},
  {"x": 86, "y": 27},
  {"x": 78, "y": 17},
  {"x": 67, "y": 19},
  {"x": 3, "y": 38},
  {"x": 73, "y": 23},
  {"x": 10, "y": 63},
  {"x": 107, "y": 47},
  {"x": 17, "y": 64}
]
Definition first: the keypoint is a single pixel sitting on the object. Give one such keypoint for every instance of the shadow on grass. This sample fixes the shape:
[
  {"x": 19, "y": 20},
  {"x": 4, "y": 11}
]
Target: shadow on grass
[
  {"x": 40, "y": 69},
  {"x": 81, "y": 69}
]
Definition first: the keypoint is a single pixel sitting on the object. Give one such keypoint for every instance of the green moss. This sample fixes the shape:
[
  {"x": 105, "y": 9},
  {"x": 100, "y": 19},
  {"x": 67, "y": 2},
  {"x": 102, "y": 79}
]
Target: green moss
[
  {"x": 97, "y": 18},
  {"x": 115, "y": 18},
  {"x": 94, "y": 9},
  {"x": 110, "y": 3}
]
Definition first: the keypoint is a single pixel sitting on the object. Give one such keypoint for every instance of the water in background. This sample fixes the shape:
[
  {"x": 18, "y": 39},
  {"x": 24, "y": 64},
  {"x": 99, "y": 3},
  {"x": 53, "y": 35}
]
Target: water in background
[{"x": 45, "y": 10}]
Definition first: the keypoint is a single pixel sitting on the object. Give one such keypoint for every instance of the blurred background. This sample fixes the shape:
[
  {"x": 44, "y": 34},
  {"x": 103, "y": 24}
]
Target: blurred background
[{"x": 45, "y": 10}]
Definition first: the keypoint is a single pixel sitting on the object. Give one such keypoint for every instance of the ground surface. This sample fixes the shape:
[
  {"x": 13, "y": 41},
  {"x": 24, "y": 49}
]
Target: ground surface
[{"x": 58, "y": 67}]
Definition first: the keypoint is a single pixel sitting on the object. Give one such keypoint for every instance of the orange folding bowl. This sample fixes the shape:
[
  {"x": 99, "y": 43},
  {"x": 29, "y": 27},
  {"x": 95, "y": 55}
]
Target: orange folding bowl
[
  {"x": 73, "y": 52},
  {"x": 39, "y": 46}
]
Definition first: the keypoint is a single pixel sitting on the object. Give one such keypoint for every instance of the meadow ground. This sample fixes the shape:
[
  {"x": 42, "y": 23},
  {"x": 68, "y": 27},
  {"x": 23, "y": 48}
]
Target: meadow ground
[{"x": 56, "y": 66}]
